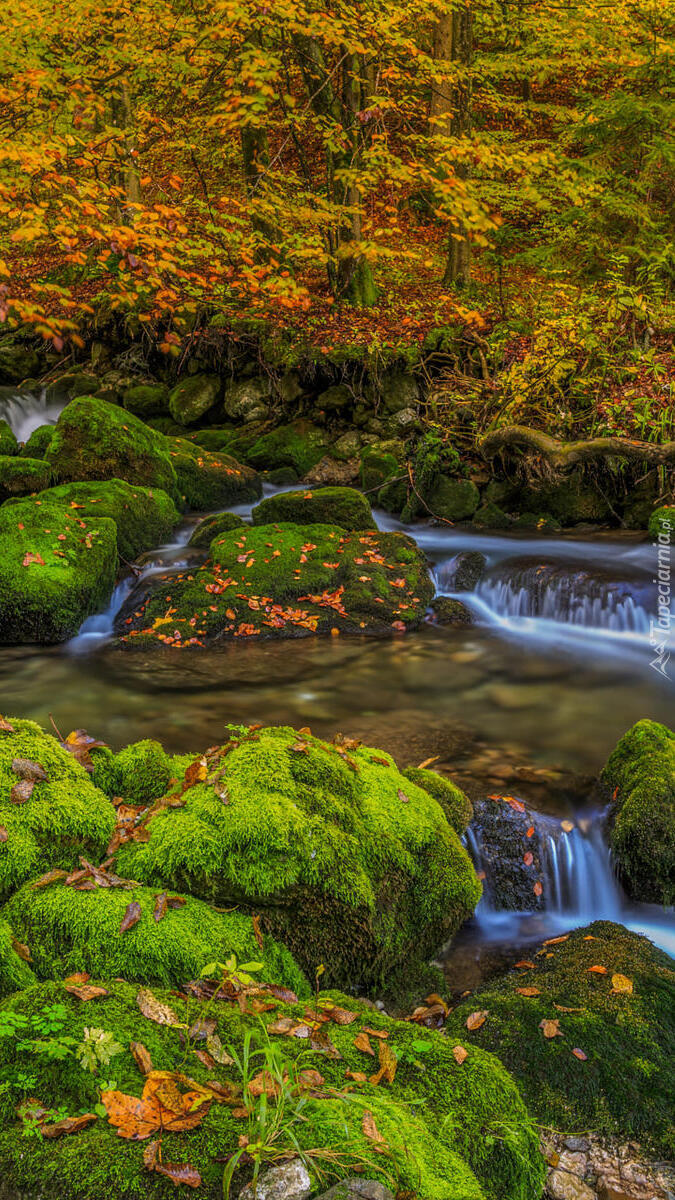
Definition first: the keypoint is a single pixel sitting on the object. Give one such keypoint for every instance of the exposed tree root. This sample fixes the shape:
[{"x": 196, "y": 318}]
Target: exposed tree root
[{"x": 567, "y": 454}]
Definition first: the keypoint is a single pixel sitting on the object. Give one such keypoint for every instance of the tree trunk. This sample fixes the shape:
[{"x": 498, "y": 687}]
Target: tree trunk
[
  {"x": 127, "y": 174},
  {"x": 451, "y": 108}
]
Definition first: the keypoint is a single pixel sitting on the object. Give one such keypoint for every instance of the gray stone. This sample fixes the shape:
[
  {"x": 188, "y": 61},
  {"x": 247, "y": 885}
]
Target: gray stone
[
  {"x": 193, "y": 397},
  {"x": 469, "y": 567},
  {"x": 333, "y": 472},
  {"x": 248, "y": 400},
  {"x": 349, "y": 445},
  {"x": 399, "y": 391},
  {"x": 563, "y": 1186},
  {"x": 289, "y": 1181},
  {"x": 357, "y": 1189},
  {"x": 338, "y": 396}
]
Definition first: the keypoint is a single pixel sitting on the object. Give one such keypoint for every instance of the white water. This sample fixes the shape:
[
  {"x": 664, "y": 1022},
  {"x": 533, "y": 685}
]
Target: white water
[{"x": 26, "y": 412}]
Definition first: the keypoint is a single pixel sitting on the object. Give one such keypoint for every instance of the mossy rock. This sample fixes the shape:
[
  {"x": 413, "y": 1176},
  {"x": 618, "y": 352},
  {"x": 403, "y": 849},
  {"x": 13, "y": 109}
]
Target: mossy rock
[
  {"x": 573, "y": 500},
  {"x": 15, "y": 972},
  {"x": 141, "y": 772},
  {"x": 69, "y": 931},
  {"x": 207, "y": 530},
  {"x": 300, "y": 445},
  {"x": 56, "y": 568},
  {"x": 281, "y": 476},
  {"x": 285, "y": 581},
  {"x": 456, "y": 806},
  {"x": 38, "y": 442},
  {"x": 209, "y": 481},
  {"x": 65, "y": 816},
  {"x": 448, "y": 1130},
  {"x": 146, "y": 399},
  {"x": 214, "y": 440},
  {"x": 248, "y": 400},
  {"x": 8, "y": 442},
  {"x": 321, "y": 506},
  {"x": 165, "y": 425},
  {"x": 72, "y": 384},
  {"x": 451, "y": 612},
  {"x": 625, "y": 1083},
  {"x": 350, "y": 863},
  {"x": 453, "y": 499},
  {"x": 469, "y": 568},
  {"x": 22, "y": 476},
  {"x": 193, "y": 397},
  {"x": 376, "y": 468},
  {"x": 96, "y": 440},
  {"x": 490, "y": 516},
  {"x": 662, "y": 523},
  {"x": 542, "y": 522},
  {"x": 144, "y": 517},
  {"x": 639, "y": 777},
  {"x": 17, "y": 361}
]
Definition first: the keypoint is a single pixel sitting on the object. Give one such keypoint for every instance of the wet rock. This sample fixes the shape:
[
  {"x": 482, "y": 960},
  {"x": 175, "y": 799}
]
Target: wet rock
[
  {"x": 336, "y": 397},
  {"x": 146, "y": 399},
  {"x": 20, "y": 476},
  {"x": 358, "y": 1189},
  {"x": 289, "y": 1181},
  {"x": 469, "y": 567},
  {"x": 17, "y": 361},
  {"x": 490, "y": 516},
  {"x": 193, "y": 397},
  {"x": 8, "y": 443},
  {"x": 208, "y": 480},
  {"x": 299, "y": 445},
  {"x": 342, "y": 506},
  {"x": 451, "y": 612},
  {"x": 453, "y": 499},
  {"x": 398, "y": 391},
  {"x": 333, "y": 472},
  {"x": 248, "y": 400},
  {"x": 560, "y": 1185}
]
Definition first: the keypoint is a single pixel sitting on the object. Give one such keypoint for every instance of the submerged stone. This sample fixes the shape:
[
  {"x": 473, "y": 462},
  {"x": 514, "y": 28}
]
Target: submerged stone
[
  {"x": 639, "y": 779},
  {"x": 284, "y": 581},
  {"x": 349, "y": 862}
]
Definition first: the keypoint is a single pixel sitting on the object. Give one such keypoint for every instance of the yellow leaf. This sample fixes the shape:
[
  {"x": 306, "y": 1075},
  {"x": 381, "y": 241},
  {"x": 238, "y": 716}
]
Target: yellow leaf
[{"x": 621, "y": 984}]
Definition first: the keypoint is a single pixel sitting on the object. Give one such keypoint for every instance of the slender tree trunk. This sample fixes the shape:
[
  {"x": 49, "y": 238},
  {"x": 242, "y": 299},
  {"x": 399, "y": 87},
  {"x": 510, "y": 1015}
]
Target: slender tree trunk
[
  {"x": 127, "y": 174},
  {"x": 451, "y": 108}
]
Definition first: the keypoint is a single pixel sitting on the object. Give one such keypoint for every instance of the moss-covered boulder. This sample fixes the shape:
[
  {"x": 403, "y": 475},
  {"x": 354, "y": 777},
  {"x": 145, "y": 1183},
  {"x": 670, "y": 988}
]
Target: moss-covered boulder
[
  {"x": 448, "y": 611},
  {"x": 141, "y": 772},
  {"x": 207, "y": 530},
  {"x": 456, "y": 806},
  {"x": 18, "y": 361},
  {"x": 144, "y": 517},
  {"x": 15, "y": 973},
  {"x": 639, "y": 778},
  {"x": 341, "y": 506},
  {"x": 65, "y": 814},
  {"x": 56, "y": 568},
  {"x": 69, "y": 931},
  {"x": 376, "y": 468},
  {"x": 8, "y": 442},
  {"x": 248, "y": 400},
  {"x": 193, "y": 397},
  {"x": 453, "y": 499},
  {"x": 299, "y": 445},
  {"x": 662, "y": 523},
  {"x": 607, "y": 1064},
  {"x": 440, "y": 1129},
  {"x": 350, "y": 863},
  {"x": 285, "y": 581},
  {"x": 491, "y": 516},
  {"x": 96, "y": 440},
  {"x": 38, "y": 442},
  {"x": 207, "y": 481},
  {"x": 21, "y": 476},
  {"x": 146, "y": 399}
]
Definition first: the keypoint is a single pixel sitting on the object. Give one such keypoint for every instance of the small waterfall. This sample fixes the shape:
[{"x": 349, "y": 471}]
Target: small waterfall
[
  {"x": 566, "y": 595},
  {"x": 99, "y": 628},
  {"x": 24, "y": 412}
]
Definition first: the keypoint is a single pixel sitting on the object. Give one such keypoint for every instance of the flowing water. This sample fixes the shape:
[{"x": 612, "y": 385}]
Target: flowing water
[
  {"x": 24, "y": 412},
  {"x": 531, "y": 698}
]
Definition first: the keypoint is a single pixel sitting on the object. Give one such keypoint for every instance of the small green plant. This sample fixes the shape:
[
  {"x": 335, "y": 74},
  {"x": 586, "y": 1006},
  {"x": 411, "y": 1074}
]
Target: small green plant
[{"x": 96, "y": 1049}]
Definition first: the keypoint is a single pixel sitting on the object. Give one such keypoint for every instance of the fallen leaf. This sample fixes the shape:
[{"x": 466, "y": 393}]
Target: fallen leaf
[
  {"x": 6, "y": 726},
  {"x": 528, "y": 991},
  {"x": 537, "y": 889},
  {"x": 357, "y": 1076},
  {"x": 579, "y": 1054},
  {"x": 22, "y": 791},
  {"x": 476, "y": 1019},
  {"x": 567, "y": 826},
  {"x": 132, "y": 916},
  {"x": 427, "y": 762},
  {"x": 362, "y": 1042},
  {"x": 161, "y": 906},
  {"x": 377, "y": 1033},
  {"x": 89, "y": 991},
  {"x": 78, "y": 978},
  {"x": 621, "y": 984},
  {"x": 402, "y": 796},
  {"x": 3, "y": 834},
  {"x": 68, "y": 1125},
  {"x": 154, "y": 1009},
  {"x": 550, "y": 1028},
  {"x": 79, "y": 743},
  {"x": 388, "y": 1064},
  {"x": 180, "y": 1173},
  {"x": 26, "y": 769},
  {"x": 459, "y": 1054},
  {"x": 22, "y": 951},
  {"x": 528, "y": 858},
  {"x": 196, "y": 773},
  {"x": 257, "y": 932},
  {"x": 341, "y": 1016},
  {"x": 49, "y": 877},
  {"x": 142, "y": 1057},
  {"x": 370, "y": 1129},
  {"x": 530, "y": 831},
  {"x": 525, "y": 962},
  {"x": 597, "y": 970},
  {"x": 556, "y": 940}
]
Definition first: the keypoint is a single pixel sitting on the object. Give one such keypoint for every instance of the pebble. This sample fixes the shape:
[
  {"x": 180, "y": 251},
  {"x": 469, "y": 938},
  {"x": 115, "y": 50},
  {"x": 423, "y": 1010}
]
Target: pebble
[{"x": 289, "y": 1181}]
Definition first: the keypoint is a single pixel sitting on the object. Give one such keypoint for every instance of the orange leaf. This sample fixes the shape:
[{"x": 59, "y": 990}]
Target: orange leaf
[{"x": 476, "y": 1019}]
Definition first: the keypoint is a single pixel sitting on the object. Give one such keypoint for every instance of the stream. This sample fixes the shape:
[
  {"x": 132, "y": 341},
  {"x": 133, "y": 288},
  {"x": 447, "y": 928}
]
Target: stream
[{"x": 529, "y": 700}]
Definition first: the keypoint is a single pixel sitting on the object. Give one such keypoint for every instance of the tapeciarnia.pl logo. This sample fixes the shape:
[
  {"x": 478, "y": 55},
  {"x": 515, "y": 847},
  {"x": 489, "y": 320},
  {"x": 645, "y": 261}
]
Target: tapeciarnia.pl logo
[{"x": 660, "y": 628}]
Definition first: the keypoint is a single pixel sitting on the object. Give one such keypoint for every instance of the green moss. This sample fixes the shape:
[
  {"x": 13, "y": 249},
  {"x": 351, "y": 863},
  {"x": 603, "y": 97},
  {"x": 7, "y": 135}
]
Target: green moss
[
  {"x": 146, "y": 399},
  {"x": 341, "y": 506},
  {"x": 65, "y": 816},
  {"x": 209, "y": 481},
  {"x": 376, "y": 468},
  {"x": 209, "y": 529},
  {"x": 144, "y": 517},
  {"x": 193, "y": 397},
  {"x": 56, "y": 568},
  {"x": 543, "y": 522},
  {"x": 299, "y": 445},
  {"x": 490, "y": 516},
  {"x": 141, "y": 772},
  {"x": 625, "y": 1085},
  {"x": 453, "y": 499},
  {"x": 15, "y": 973},
  {"x": 640, "y": 778},
  {"x": 8, "y": 442},
  {"x": 97, "y": 440},
  {"x": 456, "y": 806},
  {"x": 38, "y": 442},
  {"x": 68, "y": 931},
  {"x": 287, "y": 581},
  {"x": 214, "y": 440},
  {"x": 451, "y": 612},
  {"x": 662, "y": 523},
  {"x": 352, "y": 864},
  {"x": 449, "y": 1130},
  {"x": 20, "y": 476}
]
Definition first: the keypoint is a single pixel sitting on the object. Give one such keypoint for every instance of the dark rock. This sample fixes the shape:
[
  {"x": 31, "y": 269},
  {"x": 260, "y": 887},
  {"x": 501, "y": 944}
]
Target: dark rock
[{"x": 451, "y": 612}]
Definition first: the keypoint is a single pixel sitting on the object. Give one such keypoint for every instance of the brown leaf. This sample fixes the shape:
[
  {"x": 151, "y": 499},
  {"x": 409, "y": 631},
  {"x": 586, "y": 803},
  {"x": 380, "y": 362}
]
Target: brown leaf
[
  {"x": 528, "y": 991},
  {"x": 161, "y": 906},
  {"x": 282, "y": 993},
  {"x": 341, "y": 1016},
  {"x": 32, "y": 556},
  {"x": 427, "y": 762},
  {"x": 26, "y": 769},
  {"x": 530, "y": 831},
  {"x": 22, "y": 951},
  {"x": 6, "y": 726},
  {"x": 370, "y": 1129},
  {"x": 79, "y": 743},
  {"x": 597, "y": 970},
  {"x": 377, "y": 1033},
  {"x": 54, "y": 876},
  {"x": 142, "y": 1057},
  {"x": 550, "y": 1028},
  {"x": 77, "y": 978},
  {"x": 579, "y": 1054},
  {"x": 154, "y": 1009},
  {"x": 459, "y": 1054},
  {"x": 132, "y": 916},
  {"x": 402, "y": 796},
  {"x": 310, "y": 1078},
  {"x": 525, "y": 962},
  {"x": 175, "y": 901},
  {"x": 206, "y": 1059},
  {"x": 3, "y": 834},
  {"x": 180, "y": 1173},
  {"x": 196, "y": 773},
  {"x": 263, "y": 1084},
  {"x": 362, "y": 1042},
  {"x": 257, "y": 932},
  {"x": 621, "y": 984},
  {"x": 476, "y": 1019},
  {"x": 22, "y": 791},
  {"x": 88, "y": 991},
  {"x": 68, "y": 1125},
  {"x": 357, "y": 1076},
  {"x": 283, "y": 1026},
  {"x": 388, "y": 1064}
]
